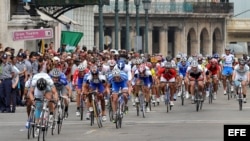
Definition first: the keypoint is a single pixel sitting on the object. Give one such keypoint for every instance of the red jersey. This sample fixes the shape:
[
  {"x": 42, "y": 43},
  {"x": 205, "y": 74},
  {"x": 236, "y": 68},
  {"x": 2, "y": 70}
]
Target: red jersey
[
  {"x": 214, "y": 70},
  {"x": 167, "y": 75}
]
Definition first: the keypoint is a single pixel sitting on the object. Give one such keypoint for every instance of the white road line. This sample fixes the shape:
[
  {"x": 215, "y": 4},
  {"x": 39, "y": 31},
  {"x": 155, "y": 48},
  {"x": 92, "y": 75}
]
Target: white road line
[{"x": 89, "y": 132}]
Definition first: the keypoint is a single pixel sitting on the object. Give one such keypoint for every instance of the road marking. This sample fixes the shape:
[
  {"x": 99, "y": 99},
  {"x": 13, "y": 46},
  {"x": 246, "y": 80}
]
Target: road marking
[{"x": 89, "y": 132}]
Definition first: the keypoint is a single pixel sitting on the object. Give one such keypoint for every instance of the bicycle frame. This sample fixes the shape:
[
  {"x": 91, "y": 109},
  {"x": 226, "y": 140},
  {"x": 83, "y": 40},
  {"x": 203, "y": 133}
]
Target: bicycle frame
[{"x": 167, "y": 97}]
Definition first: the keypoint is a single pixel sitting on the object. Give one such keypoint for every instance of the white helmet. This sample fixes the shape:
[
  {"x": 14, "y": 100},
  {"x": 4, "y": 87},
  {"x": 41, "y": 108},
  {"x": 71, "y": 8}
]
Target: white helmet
[
  {"x": 82, "y": 67},
  {"x": 116, "y": 72},
  {"x": 194, "y": 63}
]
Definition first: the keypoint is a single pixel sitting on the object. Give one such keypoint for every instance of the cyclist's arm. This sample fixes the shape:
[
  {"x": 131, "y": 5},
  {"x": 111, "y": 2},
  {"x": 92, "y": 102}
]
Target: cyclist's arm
[
  {"x": 85, "y": 88},
  {"x": 69, "y": 90},
  {"x": 30, "y": 94}
]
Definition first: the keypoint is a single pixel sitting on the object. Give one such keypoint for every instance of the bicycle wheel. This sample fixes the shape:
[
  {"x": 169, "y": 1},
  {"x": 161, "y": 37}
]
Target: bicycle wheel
[
  {"x": 210, "y": 99},
  {"x": 197, "y": 101},
  {"x": 54, "y": 123},
  {"x": 167, "y": 102},
  {"x": 42, "y": 127},
  {"x": 118, "y": 116},
  {"x": 201, "y": 102},
  {"x": 228, "y": 90},
  {"x": 31, "y": 126},
  {"x": 97, "y": 114},
  {"x": 110, "y": 111},
  {"x": 142, "y": 105},
  {"x": 149, "y": 103},
  {"x": 240, "y": 99},
  {"x": 182, "y": 94},
  {"x": 92, "y": 118},
  {"x": 137, "y": 109},
  {"x": 81, "y": 109}
]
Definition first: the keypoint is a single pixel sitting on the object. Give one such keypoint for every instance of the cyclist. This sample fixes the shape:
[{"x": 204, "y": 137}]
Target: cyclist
[
  {"x": 143, "y": 75},
  {"x": 167, "y": 74},
  {"x": 96, "y": 82},
  {"x": 241, "y": 71},
  {"x": 79, "y": 74},
  {"x": 42, "y": 86},
  {"x": 213, "y": 70},
  {"x": 118, "y": 81},
  {"x": 195, "y": 73},
  {"x": 62, "y": 87},
  {"x": 227, "y": 68},
  {"x": 182, "y": 69}
]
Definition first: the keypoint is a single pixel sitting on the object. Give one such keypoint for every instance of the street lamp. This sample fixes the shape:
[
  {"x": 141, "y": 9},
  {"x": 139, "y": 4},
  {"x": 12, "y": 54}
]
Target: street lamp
[
  {"x": 101, "y": 44},
  {"x": 127, "y": 24},
  {"x": 137, "y": 4},
  {"x": 116, "y": 24},
  {"x": 146, "y": 6}
]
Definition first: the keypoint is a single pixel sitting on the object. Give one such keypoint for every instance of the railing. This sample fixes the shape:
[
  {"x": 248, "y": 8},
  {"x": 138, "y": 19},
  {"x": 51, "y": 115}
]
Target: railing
[{"x": 172, "y": 7}]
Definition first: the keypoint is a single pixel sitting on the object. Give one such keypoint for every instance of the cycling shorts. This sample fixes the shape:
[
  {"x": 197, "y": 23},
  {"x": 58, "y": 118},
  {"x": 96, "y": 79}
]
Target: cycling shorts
[
  {"x": 38, "y": 110},
  {"x": 99, "y": 87},
  {"x": 227, "y": 71},
  {"x": 116, "y": 86}
]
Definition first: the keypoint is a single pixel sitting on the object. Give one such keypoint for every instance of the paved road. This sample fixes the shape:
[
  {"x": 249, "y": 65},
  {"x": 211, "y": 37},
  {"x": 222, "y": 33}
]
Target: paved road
[{"x": 182, "y": 123}]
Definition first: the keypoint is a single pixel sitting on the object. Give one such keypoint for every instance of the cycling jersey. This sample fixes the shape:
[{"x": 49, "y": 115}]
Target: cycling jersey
[
  {"x": 166, "y": 76},
  {"x": 195, "y": 74},
  {"x": 50, "y": 83},
  {"x": 182, "y": 69},
  {"x": 96, "y": 83},
  {"x": 118, "y": 84},
  {"x": 214, "y": 70},
  {"x": 146, "y": 77}
]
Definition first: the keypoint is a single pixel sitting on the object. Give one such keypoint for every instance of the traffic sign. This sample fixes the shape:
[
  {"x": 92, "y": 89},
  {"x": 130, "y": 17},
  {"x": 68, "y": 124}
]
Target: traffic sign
[{"x": 32, "y": 34}]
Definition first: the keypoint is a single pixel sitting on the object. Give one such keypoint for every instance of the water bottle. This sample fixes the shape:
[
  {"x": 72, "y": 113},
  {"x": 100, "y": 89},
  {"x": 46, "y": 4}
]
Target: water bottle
[{"x": 27, "y": 125}]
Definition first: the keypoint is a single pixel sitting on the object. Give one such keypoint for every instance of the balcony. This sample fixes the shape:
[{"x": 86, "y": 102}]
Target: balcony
[{"x": 173, "y": 7}]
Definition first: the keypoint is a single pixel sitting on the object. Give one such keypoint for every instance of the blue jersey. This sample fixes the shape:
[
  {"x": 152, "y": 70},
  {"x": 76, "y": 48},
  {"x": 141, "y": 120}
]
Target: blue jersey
[
  {"x": 95, "y": 83},
  {"x": 182, "y": 68},
  {"x": 120, "y": 84},
  {"x": 62, "y": 79},
  {"x": 146, "y": 78}
]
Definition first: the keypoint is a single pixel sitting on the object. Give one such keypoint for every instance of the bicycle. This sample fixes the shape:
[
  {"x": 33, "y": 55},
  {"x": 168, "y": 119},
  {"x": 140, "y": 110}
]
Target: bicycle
[
  {"x": 240, "y": 95},
  {"x": 95, "y": 111},
  {"x": 229, "y": 93},
  {"x": 141, "y": 102},
  {"x": 211, "y": 90},
  {"x": 120, "y": 110},
  {"x": 110, "y": 108},
  {"x": 44, "y": 119},
  {"x": 167, "y": 98},
  {"x": 31, "y": 123},
  {"x": 198, "y": 97},
  {"x": 61, "y": 113}
]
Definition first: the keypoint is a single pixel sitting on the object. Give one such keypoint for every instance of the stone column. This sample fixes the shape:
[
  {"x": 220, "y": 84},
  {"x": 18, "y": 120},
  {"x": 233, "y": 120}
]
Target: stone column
[
  {"x": 96, "y": 36},
  {"x": 113, "y": 37},
  {"x": 178, "y": 41},
  {"x": 132, "y": 37},
  {"x": 150, "y": 38},
  {"x": 163, "y": 42},
  {"x": 119, "y": 38}
]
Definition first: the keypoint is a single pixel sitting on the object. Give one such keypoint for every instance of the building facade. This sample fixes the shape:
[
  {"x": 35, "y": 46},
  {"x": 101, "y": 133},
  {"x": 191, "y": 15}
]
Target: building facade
[
  {"x": 13, "y": 18},
  {"x": 175, "y": 26}
]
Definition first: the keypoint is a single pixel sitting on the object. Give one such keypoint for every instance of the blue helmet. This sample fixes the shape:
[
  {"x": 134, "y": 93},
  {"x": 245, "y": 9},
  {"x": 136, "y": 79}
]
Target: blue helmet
[
  {"x": 216, "y": 55},
  {"x": 121, "y": 64}
]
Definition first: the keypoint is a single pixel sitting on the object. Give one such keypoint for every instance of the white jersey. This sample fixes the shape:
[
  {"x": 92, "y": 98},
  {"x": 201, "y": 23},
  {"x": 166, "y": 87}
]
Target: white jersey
[
  {"x": 229, "y": 59},
  {"x": 241, "y": 73},
  {"x": 50, "y": 83},
  {"x": 189, "y": 68}
]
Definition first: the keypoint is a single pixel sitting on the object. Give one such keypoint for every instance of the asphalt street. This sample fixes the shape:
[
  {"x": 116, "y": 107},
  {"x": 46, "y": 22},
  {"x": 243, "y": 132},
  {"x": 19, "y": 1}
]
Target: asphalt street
[{"x": 181, "y": 123}]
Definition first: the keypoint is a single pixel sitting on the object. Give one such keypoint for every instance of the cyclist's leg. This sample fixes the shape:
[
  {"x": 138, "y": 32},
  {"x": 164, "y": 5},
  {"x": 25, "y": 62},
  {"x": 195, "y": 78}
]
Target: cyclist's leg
[
  {"x": 201, "y": 87},
  {"x": 192, "y": 83},
  {"x": 172, "y": 87},
  {"x": 78, "y": 94},
  {"x": 215, "y": 85}
]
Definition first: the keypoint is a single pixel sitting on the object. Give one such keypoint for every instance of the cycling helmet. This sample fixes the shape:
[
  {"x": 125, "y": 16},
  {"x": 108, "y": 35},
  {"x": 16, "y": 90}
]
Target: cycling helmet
[
  {"x": 214, "y": 61},
  {"x": 209, "y": 57},
  {"x": 82, "y": 67},
  {"x": 94, "y": 70},
  {"x": 112, "y": 63},
  {"x": 242, "y": 62},
  {"x": 178, "y": 56},
  {"x": 168, "y": 58},
  {"x": 184, "y": 59},
  {"x": 116, "y": 72},
  {"x": 194, "y": 63},
  {"x": 41, "y": 84},
  {"x": 190, "y": 59},
  {"x": 55, "y": 72},
  {"x": 168, "y": 65},
  {"x": 121, "y": 64},
  {"x": 216, "y": 56},
  {"x": 142, "y": 68},
  {"x": 227, "y": 49}
]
